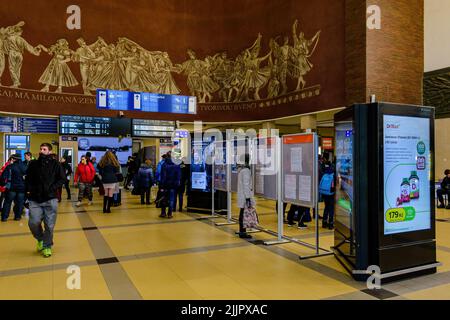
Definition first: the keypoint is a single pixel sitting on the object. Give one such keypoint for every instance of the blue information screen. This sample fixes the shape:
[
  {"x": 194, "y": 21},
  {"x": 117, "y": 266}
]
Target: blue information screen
[
  {"x": 145, "y": 102},
  {"x": 37, "y": 125},
  {"x": 7, "y": 124}
]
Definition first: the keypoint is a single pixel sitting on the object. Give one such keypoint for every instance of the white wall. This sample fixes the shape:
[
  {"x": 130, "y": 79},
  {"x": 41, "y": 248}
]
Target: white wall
[{"x": 437, "y": 34}]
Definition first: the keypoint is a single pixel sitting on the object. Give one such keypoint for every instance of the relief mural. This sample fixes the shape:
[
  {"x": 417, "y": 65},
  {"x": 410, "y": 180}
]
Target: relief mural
[{"x": 126, "y": 65}]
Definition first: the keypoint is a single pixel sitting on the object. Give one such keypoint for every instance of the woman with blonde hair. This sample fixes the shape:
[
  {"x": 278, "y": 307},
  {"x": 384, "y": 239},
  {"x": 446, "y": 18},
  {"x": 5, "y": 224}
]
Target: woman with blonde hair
[{"x": 108, "y": 169}]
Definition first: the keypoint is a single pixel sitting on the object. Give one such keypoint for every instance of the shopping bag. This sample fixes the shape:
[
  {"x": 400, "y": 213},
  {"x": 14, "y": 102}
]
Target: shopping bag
[
  {"x": 250, "y": 219},
  {"x": 162, "y": 200}
]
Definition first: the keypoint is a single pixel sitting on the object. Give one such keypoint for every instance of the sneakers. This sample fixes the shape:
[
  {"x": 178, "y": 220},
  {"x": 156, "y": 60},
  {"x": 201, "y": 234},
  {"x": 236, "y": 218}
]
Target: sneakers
[
  {"x": 47, "y": 252},
  {"x": 78, "y": 204},
  {"x": 302, "y": 226},
  {"x": 90, "y": 203},
  {"x": 162, "y": 215},
  {"x": 291, "y": 224},
  {"x": 441, "y": 206},
  {"x": 40, "y": 246}
]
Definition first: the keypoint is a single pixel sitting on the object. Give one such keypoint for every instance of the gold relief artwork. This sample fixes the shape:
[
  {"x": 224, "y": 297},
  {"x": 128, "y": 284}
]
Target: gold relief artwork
[{"x": 126, "y": 65}]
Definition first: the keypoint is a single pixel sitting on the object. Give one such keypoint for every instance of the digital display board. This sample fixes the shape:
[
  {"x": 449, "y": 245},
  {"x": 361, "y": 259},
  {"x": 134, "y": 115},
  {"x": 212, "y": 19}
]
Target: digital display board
[
  {"x": 152, "y": 128},
  {"x": 344, "y": 173},
  {"x": 94, "y": 126},
  {"x": 98, "y": 146},
  {"x": 7, "y": 124},
  {"x": 145, "y": 102},
  {"x": 407, "y": 171},
  {"x": 201, "y": 165},
  {"x": 37, "y": 125}
]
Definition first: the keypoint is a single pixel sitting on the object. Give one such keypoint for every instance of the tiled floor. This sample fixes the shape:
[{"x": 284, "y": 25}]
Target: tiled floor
[{"x": 134, "y": 254}]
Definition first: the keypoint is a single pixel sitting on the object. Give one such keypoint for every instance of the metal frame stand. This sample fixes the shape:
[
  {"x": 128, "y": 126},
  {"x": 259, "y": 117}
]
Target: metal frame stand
[
  {"x": 228, "y": 164},
  {"x": 280, "y": 238}
]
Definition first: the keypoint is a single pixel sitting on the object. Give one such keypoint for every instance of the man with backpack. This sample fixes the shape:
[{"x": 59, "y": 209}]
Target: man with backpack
[
  {"x": 327, "y": 190},
  {"x": 169, "y": 184},
  {"x": 15, "y": 174}
]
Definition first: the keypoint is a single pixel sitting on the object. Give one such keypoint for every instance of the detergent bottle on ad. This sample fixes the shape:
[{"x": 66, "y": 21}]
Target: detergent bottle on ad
[
  {"x": 414, "y": 184},
  {"x": 405, "y": 190}
]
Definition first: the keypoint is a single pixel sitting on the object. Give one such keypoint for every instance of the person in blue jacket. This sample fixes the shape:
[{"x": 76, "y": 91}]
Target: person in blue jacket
[
  {"x": 145, "y": 180},
  {"x": 16, "y": 192},
  {"x": 169, "y": 184},
  {"x": 159, "y": 167}
]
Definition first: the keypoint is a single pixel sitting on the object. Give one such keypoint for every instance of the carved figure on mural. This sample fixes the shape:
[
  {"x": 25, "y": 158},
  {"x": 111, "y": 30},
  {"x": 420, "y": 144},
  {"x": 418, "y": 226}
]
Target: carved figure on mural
[
  {"x": 199, "y": 78},
  {"x": 273, "y": 87},
  {"x": 255, "y": 77},
  {"x": 301, "y": 52},
  {"x": 58, "y": 73},
  {"x": 281, "y": 55},
  {"x": 2, "y": 52},
  {"x": 163, "y": 70},
  {"x": 14, "y": 46},
  {"x": 84, "y": 55},
  {"x": 112, "y": 74}
]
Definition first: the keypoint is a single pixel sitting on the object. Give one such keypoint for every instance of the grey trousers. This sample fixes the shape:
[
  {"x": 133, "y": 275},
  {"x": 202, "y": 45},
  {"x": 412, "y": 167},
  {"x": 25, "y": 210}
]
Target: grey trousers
[{"x": 43, "y": 212}]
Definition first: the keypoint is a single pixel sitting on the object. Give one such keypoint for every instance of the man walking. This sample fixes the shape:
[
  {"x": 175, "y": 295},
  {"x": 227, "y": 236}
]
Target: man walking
[{"x": 44, "y": 176}]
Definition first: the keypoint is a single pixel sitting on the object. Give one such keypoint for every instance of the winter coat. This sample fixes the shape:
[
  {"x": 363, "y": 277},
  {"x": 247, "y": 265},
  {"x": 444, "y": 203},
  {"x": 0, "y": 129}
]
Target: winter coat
[
  {"x": 108, "y": 174},
  {"x": 245, "y": 187},
  {"x": 145, "y": 176},
  {"x": 85, "y": 173},
  {"x": 17, "y": 172},
  {"x": 170, "y": 175},
  {"x": 158, "y": 170},
  {"x": 43, "y": 178}
]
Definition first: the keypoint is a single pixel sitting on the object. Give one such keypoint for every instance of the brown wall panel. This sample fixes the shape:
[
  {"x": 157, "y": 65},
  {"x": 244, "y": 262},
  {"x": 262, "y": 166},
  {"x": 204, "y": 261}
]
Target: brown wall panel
[{"x": 174, "y": 26}]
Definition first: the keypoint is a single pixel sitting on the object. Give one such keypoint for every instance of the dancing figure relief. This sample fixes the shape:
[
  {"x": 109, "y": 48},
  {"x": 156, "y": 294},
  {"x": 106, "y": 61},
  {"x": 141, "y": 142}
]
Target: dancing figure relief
[
  {"x": 126, "y": 65},
  {"x": 58, "y": 73}
]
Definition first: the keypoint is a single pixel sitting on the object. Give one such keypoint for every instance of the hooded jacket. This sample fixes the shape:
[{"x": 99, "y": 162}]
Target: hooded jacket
[
  {"x": 44, "y": 176},
  {"x": 85, "y": 173}
]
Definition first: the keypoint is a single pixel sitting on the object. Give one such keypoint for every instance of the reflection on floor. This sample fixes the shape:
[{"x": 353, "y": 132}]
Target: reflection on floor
[{"x": 133, "y": 254}]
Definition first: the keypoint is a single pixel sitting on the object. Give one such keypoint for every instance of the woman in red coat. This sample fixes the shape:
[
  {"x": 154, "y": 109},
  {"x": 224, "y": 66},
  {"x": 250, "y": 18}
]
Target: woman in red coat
[{"x": 84, "y": 177}]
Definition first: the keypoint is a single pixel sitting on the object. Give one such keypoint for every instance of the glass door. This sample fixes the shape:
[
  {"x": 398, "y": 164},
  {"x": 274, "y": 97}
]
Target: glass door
[{"x": 16, "y": 144}]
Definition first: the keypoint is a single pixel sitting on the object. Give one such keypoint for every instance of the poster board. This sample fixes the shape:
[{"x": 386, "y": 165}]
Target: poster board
[
  {"x": 299, "y": 170},
  {"x": 266, "y": 167}
]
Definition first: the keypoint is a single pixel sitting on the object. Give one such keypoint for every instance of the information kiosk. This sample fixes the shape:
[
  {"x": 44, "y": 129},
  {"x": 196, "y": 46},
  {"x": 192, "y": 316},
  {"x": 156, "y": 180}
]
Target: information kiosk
[{"x": 385, "y": 215}]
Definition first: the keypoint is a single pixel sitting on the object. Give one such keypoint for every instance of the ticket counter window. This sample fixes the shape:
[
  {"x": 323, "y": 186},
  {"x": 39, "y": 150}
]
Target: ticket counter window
[{"x": 16, "y": 144}]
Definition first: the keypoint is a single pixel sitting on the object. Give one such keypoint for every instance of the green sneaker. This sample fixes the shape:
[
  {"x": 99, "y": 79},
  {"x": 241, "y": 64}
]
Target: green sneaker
[
  {"x": 47, "y": 252},
  {"x": 40, "y": 246}
]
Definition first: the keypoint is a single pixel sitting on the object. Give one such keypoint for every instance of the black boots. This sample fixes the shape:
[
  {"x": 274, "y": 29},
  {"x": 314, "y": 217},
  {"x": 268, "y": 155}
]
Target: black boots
[{"x": 107, "y": 204}]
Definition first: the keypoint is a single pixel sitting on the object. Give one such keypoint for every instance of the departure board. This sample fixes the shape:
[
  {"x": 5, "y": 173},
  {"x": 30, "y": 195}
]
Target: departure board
[
  {"x": 81, "y": 125},
  {"x": 7, "y": 124},
  {"x": 152, "y": 128},
  {"x": 37, "y": 125}
]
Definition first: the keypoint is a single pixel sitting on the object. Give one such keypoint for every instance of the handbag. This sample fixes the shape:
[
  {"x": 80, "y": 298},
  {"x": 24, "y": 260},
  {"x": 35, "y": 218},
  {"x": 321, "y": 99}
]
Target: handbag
[
  {"x": 161, "y": 199},
  {"x": 250, "y": 219},
  {"x": 119, "y": 177}
]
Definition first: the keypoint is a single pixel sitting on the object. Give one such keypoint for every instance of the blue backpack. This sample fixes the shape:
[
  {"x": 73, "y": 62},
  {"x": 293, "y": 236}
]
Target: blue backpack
[{"x": 327, "y": 184}]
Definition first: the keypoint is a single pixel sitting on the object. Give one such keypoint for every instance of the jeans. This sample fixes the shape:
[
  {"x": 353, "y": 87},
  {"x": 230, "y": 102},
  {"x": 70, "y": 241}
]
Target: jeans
[
  {"x": 180, "y": 194},
  {"x": 19, "y": 201},
  {"x": 84, "y": 188},
  {"x": 145, "y": 193},
  {"x": 172, "y": 196},
  {"x": 328, "y": 212},
  {"x": 440, "y": 194},
  {"x": 66, "y": 185},
  {"x": 43, "y": 212}
]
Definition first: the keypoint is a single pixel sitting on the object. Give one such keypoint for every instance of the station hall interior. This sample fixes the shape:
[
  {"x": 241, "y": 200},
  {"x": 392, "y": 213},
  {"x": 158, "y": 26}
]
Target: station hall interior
[{"x": 225, "y": 150}]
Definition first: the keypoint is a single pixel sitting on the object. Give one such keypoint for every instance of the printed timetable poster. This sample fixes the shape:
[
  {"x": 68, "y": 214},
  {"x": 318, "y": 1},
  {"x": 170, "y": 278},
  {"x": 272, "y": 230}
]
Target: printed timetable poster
[{"x": 407, "y": 206}]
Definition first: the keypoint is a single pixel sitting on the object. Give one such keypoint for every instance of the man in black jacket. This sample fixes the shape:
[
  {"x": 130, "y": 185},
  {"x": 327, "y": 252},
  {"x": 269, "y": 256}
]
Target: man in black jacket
[
  {"x": 44, "y": 177},
  {"x": 445, "y": 189},
  {"x": 16, "y": 173}
]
